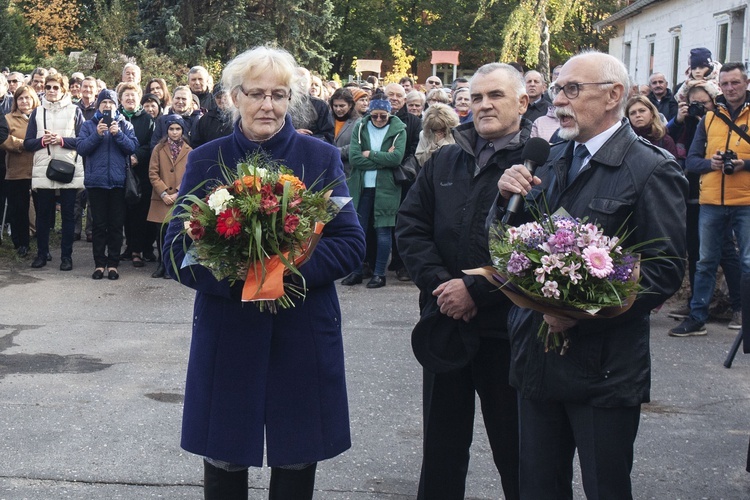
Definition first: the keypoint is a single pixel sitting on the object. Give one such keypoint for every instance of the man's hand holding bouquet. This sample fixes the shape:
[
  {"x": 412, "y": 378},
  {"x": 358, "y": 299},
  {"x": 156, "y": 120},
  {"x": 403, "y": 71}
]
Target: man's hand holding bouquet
[{"x": 565, "y": 268}]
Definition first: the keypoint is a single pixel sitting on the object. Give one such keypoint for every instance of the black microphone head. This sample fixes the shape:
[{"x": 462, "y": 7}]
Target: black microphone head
[{"x": 536, "y": 150}]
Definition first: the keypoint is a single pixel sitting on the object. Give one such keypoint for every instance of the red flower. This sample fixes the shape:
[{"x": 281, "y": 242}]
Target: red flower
[
  {"x": 269, "y": 203},
  {"x": 197, "y": 230},
  {"x": 290, "y": 223},
  {"x": 295, "y": 202},
  {"x": 229, "y": 223}
]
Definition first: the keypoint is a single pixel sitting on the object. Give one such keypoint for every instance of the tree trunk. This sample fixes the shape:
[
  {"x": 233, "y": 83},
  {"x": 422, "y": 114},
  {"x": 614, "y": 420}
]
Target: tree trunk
[{"x": 543, "y": 64}]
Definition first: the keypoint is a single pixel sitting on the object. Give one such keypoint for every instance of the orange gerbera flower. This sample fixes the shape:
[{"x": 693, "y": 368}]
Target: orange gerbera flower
[{"x": 296, "y": 182}]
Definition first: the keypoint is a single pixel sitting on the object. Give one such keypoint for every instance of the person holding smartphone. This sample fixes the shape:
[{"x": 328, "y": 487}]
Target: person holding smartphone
[{"x": 106, "y": 141}]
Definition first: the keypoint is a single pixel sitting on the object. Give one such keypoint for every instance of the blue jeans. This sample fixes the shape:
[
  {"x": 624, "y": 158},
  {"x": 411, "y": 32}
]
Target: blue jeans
[
  {"x": 713, "y": 223},
  {"x": 382, "y": 234},
  {"x": 45, "y": 220}
]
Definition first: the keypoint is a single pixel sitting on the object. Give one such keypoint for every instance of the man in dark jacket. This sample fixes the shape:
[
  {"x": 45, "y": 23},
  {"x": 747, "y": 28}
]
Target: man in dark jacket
[
  {"x": 590, "y": 397},
  {"x": 215, "y": 123},
  {"x": 536, "y": 89},
  {"x": 440, "y": 232},
  {"x": 199, "y": 83},
  {"x": 661, "y": 96},
  {"x": 182, "y": 105},
  {"x": 397, "y": 97}
]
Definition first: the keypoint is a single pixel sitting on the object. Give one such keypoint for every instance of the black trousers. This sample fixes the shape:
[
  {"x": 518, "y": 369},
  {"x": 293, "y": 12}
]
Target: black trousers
[
  {"x": 139, "y": 234},
  {"x": 108, "y": 208},
  {"x": 46, "y": 200},
  {"x": 19, "y": 199},
  {"x": 449, "y": 409},
  {"x": 550, "y": 433}
]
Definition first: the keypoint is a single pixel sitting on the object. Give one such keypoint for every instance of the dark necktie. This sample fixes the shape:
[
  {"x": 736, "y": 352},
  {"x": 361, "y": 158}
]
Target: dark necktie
[{"x": 579, "y": 154}]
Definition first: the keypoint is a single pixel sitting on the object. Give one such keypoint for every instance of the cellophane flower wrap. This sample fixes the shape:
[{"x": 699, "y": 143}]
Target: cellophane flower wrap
[
  {"x": 260, "y": 225},
  {"x": 566, "y": 267}
]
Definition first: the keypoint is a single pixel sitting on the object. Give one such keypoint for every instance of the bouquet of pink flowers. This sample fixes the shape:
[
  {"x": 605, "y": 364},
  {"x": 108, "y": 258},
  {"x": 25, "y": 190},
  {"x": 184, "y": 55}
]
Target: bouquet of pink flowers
[
  {"x": 565, "y": 267},
  {"x": 261, "y": 224}
]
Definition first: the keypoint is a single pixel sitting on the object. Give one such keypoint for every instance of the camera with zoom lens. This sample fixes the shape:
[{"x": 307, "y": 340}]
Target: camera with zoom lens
[
  {"x": 726, "y": 158},
  {"x": 697, "y": 109}
]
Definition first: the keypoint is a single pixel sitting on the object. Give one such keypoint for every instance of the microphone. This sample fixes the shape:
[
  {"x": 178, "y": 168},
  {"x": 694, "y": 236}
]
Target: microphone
[{"x": 535, "y": 153}]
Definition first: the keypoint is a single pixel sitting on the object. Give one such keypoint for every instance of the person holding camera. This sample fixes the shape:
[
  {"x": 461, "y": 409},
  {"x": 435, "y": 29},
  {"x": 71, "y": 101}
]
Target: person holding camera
[
  {"x": 720, "y": 153},
  {"x": 700, "y": 97}
]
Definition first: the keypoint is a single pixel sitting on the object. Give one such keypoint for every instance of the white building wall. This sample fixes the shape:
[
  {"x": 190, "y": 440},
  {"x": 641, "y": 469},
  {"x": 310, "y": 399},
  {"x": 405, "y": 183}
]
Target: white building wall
[{"x": 694, "y": 21}]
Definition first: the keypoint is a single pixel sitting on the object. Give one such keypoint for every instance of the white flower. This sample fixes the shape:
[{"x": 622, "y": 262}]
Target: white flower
[
  {"x": 219, "y": 199},
  {"x": 550, "y": 290},
  {"x": 259, "y": 172}
]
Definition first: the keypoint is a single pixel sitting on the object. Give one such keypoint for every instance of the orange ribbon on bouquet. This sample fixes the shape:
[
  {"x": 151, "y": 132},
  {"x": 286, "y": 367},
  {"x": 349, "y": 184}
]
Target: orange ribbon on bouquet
[{"x": 271, "y": 286}]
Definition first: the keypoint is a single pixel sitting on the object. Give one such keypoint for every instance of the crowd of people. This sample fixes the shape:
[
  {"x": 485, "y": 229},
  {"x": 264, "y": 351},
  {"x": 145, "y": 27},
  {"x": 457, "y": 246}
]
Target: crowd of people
[
  {"x": 426, "y": 169},
  {"x": 102, "y": 135}
]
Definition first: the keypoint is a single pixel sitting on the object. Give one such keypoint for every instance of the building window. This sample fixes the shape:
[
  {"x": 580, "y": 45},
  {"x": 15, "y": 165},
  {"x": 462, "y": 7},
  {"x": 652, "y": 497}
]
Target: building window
[
  {"x": 722, "y": 39},
  {"x": 651, "y": 50},
  {"x": 675, "y": 56},
  {"x": 626, "y": 55},
  {"x": 737, "y": 28}
]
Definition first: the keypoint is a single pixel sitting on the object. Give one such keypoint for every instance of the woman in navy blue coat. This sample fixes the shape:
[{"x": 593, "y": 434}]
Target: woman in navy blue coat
[{"x": 251, "y": 374}]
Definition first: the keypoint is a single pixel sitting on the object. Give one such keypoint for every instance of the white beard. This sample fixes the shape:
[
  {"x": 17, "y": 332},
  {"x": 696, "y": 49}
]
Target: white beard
[{"x": 567, "y": 133}]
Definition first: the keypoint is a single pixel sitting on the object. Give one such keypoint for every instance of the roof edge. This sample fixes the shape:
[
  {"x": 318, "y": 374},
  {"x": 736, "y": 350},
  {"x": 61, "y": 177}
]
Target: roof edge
[{"x": 629, "y": 11}]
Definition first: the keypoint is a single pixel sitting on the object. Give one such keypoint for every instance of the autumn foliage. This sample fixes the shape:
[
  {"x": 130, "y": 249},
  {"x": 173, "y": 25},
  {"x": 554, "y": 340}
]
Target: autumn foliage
[{"x": 55, "y": 22}]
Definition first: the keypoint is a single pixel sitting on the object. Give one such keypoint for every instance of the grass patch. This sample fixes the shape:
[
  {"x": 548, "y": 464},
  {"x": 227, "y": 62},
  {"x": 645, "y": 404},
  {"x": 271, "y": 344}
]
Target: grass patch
[{"x": 9, "y": 258}]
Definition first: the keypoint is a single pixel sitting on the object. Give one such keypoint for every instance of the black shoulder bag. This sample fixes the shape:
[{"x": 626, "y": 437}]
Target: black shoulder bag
[
  {"x": 59, "y": 170},
  {"x": 132, "y": 185}
]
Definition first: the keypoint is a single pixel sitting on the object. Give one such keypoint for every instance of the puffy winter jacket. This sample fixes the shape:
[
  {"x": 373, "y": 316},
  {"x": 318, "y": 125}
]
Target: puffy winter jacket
[{"x": 107, "y": 156}]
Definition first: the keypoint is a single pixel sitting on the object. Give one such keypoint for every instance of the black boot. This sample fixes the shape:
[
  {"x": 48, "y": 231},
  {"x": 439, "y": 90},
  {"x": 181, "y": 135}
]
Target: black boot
[
  {"x": 160, "y": 271},
  {"x": 288, "y": 484},
  {"x": 219, "y": 484}
]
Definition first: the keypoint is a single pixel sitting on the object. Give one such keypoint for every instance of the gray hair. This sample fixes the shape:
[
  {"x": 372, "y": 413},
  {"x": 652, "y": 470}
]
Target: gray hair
[
  {"x": 512, "y": 73},
  {"x": 255, "y": 62},
  {"x": 610, "y": 69},
  {"x": 416, "y": 95},
  {"x": 302, "y": 80},
  {"x": 197, "y": 69},
  {"x": 301, "y": 108},
  {"x": 181, "y": 88},
  {"x": 258, "y": 61},
  {"x": 39, "y": 71},
  {"x": 134, "y": 66},
  {"x": 439, "y": 96},
  {"x": 533, "y": 71}
]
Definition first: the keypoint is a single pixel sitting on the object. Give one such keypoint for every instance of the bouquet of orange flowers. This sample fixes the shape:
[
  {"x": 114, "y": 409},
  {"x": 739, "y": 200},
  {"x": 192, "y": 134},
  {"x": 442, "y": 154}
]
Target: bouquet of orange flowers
[{"x": 261, "y": 225}]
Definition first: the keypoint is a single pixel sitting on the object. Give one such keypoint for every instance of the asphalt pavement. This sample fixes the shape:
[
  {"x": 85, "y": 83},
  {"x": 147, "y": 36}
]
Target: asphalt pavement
[{"x": 92, "y": 381}]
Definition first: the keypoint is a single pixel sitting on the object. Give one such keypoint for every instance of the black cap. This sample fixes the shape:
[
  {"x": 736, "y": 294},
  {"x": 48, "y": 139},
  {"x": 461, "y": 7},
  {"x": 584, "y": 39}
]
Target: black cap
[
  {"x": 700, "y": 58},
  {"x": 441, "y": 343},
  {"x": 150, "y": 97}
]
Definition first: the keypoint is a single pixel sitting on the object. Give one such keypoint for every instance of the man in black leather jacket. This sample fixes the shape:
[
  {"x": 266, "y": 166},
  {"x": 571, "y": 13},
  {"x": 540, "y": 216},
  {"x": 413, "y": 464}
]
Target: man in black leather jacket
[
  {"x": 440, "y": 232},
  {"x": 590, "y": 397}
]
